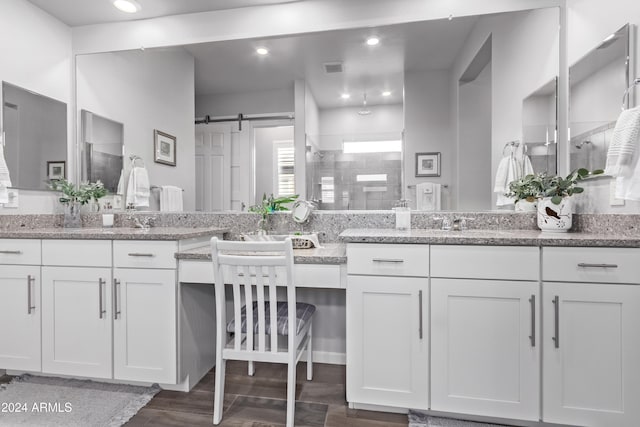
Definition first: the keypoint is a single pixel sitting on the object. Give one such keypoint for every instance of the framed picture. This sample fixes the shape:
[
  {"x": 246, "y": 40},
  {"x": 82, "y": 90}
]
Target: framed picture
[
  {"x": 427, "y": 164},
  {"x": 56, "y": 170},
  {"x": 164, "y": 148}
]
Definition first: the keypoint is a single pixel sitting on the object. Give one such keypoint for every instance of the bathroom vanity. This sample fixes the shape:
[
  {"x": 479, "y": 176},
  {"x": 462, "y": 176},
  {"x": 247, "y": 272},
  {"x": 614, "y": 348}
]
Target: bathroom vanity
[
  {"x": 516, "y": 325},
  {"x": 98, "y": 303}
]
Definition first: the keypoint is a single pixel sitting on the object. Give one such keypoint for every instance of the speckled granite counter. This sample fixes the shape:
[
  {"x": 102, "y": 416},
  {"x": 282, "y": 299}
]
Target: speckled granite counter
[
  {"x": 330, "y": 253},
  {"x": 116, "y": 233},
  {"x": 488, "y": 237}
]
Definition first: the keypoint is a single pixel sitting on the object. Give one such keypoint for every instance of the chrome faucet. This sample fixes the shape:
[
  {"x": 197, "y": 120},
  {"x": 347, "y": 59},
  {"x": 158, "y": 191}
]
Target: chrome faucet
[
  {"x": 459, "y": 224},
  {"x": 144, "y": 222}
]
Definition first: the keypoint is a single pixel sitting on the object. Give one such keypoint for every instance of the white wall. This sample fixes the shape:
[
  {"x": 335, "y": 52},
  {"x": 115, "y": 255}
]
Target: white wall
[
  {"x": 146, "y": 90},
  {"x": 230, "y": 104},
  {"x": 427, "y": 128},
  {"x": 36, "y": 55},
  {"x": 336, "y": 124},
  {"x": 525, "y": 56},
  {"x": 590, "y": 21},
  {"x": 474, "y": 162}
]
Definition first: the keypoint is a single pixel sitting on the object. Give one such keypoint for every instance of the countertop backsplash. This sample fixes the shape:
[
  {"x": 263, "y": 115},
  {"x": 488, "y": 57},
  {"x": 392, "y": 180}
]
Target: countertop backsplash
[{"x": 329, "y": 224}]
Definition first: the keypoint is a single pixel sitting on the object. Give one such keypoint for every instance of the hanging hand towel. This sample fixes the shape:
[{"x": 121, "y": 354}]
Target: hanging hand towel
[
  {"x": 508, "y": 170},
  {"x": 5, "y": 178},
  {"x": 138, "y": 189},
  {"x": 171, "y": 199},
  {"x": 527, "y": 167},
  {"x": 428, "y": 196},
  {"x": 623, "y": 143}
]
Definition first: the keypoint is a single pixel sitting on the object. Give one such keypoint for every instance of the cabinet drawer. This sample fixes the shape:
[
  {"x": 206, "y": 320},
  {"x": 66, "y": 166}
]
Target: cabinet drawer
[
  {"x": 76, "y": 253},
  {"x": 604, "y": 265},
  {"x": 388, "y": 259},
  {"x": 144, "y": 254},
  {"x": 485, "y": 262},
  {"x": 19, "y": 251}
]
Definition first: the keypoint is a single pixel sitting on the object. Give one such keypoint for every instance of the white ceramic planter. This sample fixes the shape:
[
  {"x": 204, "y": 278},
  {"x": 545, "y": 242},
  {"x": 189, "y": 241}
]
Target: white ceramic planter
[
  {"x": 523, "y": 205},
  {"x": 552, "y": 217}
]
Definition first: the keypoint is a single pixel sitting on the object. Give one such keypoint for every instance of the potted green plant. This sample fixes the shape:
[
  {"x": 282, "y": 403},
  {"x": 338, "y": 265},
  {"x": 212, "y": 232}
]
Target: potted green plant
[
  {"x": 73, "y": 198},
  {"x": 554, "y": 205},
  {"x": 525, "y": 191},
  {"x": 269, "y": 205}
]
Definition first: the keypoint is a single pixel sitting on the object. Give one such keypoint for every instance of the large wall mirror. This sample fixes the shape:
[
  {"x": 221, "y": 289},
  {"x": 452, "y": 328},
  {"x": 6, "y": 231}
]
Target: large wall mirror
[
  {"x": 350, "y": 114},
  {"x": 540, "y": 128},
  {"x": 35, "y": 137},
  {"x": 597, "y": 83}
]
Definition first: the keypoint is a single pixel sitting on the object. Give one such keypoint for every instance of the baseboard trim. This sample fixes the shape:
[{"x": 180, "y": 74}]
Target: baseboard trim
[{"x": 328, "y": 357}]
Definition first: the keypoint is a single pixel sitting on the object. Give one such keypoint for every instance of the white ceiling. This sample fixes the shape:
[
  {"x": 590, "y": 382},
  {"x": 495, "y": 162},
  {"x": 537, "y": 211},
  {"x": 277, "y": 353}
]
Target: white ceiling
[
  {"x": 233, "y": 66},
  {"x": 86, "y": 12}
]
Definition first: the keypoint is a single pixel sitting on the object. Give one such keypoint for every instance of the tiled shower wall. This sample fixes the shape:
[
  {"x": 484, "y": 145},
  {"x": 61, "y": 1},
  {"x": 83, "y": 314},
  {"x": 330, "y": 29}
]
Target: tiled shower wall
[{"x": 346, "y": 181}]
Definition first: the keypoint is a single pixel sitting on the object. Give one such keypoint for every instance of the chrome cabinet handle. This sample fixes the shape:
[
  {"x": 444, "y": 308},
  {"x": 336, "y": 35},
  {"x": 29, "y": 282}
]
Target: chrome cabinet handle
[
  {"x": 116, "y": 309},
  {"x": 587, "y": 265},
  {"x": 532, "y": 337},
  {"x": 394, "y": 261},
  {"x": 140, "y": 254},
  {"x": 11, "y": 252},
  {"x": 30, "y": 306},
  {"x": 556, "y": 333},
  {"x": 420, "y": 313},
  {"x": 101, "y": 283}
]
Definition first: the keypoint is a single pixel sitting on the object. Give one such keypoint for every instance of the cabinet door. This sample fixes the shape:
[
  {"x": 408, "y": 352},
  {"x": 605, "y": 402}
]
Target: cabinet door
[
  {"x": 144, "y": 336},
  {"x": 387, "y": 341},
  {"x": 485, "y": 352},
  {"x": 20, "y": 318},
  {"x": 591, "y": 354},
  {"x": 76, "y": 321}
]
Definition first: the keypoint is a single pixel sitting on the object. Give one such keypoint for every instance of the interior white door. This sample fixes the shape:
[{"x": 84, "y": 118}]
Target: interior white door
[
  {"x": 76, "y": 321},
  {"x": 387, "y": 345},
  {"x": 213, "y": 167},
  {"x": 242, "y": 166},
  {"x": 591, "y": 355},
  {"x": 144, "y": 331},
  {"x": 20, "y": 312},
  {"x": 485, "y": 351}
]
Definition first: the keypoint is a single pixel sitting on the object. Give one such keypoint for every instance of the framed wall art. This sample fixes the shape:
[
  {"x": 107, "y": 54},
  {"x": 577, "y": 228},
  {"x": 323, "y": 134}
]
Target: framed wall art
[
  {"x": 428, "y": 164},
  {"x": 164, "y": 148}
]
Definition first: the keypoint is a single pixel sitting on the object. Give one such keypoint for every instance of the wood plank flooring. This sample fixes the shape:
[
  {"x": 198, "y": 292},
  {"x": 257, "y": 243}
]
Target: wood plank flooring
[{"x": 259, "y": 401}]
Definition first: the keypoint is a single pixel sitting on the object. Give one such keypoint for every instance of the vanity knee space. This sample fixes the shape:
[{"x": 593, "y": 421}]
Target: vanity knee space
[{"x": 486, "y": 311}]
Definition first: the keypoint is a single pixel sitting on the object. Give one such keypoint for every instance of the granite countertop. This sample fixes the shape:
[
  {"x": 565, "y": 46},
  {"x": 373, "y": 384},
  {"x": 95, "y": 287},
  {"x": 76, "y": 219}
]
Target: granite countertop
[
  {"x": 329, "y": 253},
  {"x": 116, "y": 233},
  {"x": 488, "y": 237}
]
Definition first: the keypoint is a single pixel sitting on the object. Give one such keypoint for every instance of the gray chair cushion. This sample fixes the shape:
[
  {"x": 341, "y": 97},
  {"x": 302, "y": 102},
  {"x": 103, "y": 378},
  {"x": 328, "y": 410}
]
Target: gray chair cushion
[{"x": 303, "y": 314}]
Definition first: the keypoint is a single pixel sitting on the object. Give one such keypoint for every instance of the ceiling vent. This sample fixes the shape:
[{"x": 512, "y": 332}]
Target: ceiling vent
[{"x": 333, "y": 67}]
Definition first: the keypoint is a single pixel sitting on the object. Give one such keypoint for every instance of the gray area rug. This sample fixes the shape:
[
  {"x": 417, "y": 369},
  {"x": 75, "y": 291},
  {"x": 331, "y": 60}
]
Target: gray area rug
[
  {"x": 47, "y": 401},
  {"x": 420, "y": 419}
]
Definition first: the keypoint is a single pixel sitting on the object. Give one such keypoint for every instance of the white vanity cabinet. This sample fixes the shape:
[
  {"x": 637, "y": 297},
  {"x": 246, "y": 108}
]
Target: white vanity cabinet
[
  {"x": 144, "y": 311},
  {"x": 485, "y": 347},
  {"x": 388, "y": 325},
  {"x": 591, "y": 325},
  {"x": 20, "y": 308},
  {"x": 77, "y": 308}
]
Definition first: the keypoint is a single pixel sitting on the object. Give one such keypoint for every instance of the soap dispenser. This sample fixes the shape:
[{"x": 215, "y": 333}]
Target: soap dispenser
[{"x": 403, "y": 215}]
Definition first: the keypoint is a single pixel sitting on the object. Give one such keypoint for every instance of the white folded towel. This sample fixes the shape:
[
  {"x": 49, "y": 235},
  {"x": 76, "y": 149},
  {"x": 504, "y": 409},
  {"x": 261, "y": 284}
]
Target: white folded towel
[
  {"x": 428, "y": 196},
  {"x": 624, "y": 143},
  {"x": 508, "y": 170},
  {"x": 5, "y": 178},
  {"x": 138, "y": 188},
  {"x": 171, "y": 199}
]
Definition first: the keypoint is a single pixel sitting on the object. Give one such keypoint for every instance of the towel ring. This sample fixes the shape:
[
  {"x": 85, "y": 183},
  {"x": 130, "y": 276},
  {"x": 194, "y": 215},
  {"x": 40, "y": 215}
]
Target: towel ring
[
  {"x": 626, "y": 92},
  {"x": 133, "y": 159},
  {"x": 512, "y": 144}
]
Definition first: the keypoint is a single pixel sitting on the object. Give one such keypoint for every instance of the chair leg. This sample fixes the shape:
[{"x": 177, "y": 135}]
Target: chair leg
[
  {"x": 251, "y": 370},
  {"x": 218, "y": 394},
  {"x": 310, "y": 355},
  {"x": 291, "y": 390}
]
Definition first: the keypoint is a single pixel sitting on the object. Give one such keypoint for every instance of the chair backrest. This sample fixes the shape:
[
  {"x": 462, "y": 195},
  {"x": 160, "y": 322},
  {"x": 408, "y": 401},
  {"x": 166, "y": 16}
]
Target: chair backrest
[{"x": 253, "y": 268}]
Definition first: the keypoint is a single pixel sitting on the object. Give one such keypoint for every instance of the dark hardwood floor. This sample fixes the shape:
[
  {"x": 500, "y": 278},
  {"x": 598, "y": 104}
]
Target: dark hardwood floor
[{"x": 259, "y": 401}]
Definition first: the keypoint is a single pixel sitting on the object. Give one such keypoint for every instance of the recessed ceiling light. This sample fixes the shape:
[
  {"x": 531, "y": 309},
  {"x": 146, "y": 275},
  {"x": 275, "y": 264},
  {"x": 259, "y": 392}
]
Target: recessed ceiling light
[
  {"x": 372, "y": 41},
  {"x": 386, "y": 93},
  {"x": 345, "y": 96},
  {"x": 128, "y": 6},
  {"x": 262, "y": 51}
]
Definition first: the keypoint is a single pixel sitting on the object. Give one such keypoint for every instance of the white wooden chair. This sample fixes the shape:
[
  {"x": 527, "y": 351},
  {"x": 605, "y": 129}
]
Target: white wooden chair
[{"x": 259, "y": 268}]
